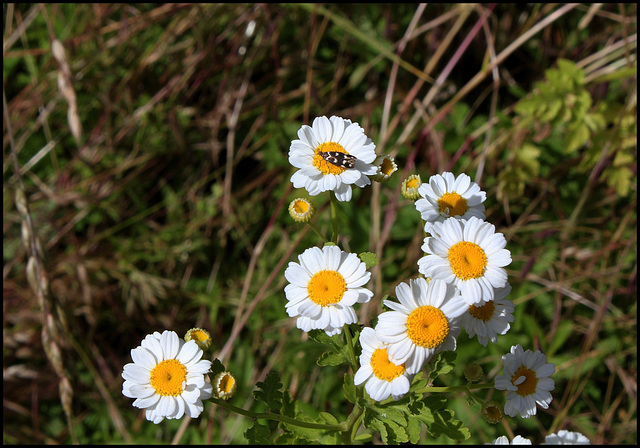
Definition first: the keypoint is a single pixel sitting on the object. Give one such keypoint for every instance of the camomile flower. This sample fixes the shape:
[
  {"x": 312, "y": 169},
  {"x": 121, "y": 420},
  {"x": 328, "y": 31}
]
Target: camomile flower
[
  {"x": 527, "y": 381},
  {"x": 422, "y": 324},
  {"x": 167, "y": 377},
  {"x": 469, "y": 254},
  {"x": 564, "y": 437},
  {"x": 446, "y": 196},
  {"x": 323, "y": 288},
  {"x": 382, "y": 378},
  {"x": 332, "y": 154},
  {"x": 489, "y": 319},
  {"x": 503, "y": 440}
]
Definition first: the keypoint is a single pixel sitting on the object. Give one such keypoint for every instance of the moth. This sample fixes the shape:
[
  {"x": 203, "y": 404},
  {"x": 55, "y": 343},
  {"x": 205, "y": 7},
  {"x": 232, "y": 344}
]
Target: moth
[{"x": 338, "y": 158}]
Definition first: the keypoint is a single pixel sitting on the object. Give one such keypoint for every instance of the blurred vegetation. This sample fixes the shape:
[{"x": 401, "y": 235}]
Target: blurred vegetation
[{"x": 146, "y": 184}]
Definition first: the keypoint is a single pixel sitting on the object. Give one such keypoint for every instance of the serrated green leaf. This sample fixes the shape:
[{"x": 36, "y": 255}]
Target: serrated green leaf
[
  {"x": 258, "y": 434},
  {"x": 414, "y": 429},
  {"x": 349, "y": 388},
  {"x": 442, "y": 364},
  {"x": 446, "y": 424},
  {"x": 331, "y": 359},
  {"x": 369, "y": 259},
  {"x": 216, "y": 367},
  {"x": 269, "y": 392}
]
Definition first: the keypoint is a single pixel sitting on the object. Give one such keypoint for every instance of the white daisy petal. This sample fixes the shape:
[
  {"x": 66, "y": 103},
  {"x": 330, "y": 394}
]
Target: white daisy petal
[
  {"x": 324, "y": 287},
  {"x": 422, "y": 324},
  {"x": 529, "y": 385},
  {"x": 162, "y": 366}
]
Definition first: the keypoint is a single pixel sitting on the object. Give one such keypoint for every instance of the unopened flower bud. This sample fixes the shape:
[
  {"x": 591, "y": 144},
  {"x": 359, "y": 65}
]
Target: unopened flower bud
[
  {"x": 200, "y": 336},
  {"x": 301, "y": 210},
  {"x": 410, "y": 187}
]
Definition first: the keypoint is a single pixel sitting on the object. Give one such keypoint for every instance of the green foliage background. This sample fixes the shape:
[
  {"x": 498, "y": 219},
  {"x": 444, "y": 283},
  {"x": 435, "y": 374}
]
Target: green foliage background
[{"x": 152, "y": 154}]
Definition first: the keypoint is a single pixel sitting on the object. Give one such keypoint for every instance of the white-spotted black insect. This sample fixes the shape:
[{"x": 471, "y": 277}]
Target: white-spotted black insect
[{"x": 338, "y": 158}]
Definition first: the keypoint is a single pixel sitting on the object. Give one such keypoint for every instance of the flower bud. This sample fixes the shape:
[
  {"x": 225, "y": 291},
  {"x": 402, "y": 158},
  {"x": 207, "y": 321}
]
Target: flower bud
[
  {"x": 410, "y": 187},
  {"x": 200, "y": 336},
  {"x": 224, "y": 385},
  {"x": 301, "y": 210}
]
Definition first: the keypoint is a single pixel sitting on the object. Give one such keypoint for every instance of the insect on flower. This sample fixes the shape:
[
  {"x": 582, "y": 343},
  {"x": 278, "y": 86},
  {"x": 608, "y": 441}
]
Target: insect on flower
[{"x": 338, "y": 158}]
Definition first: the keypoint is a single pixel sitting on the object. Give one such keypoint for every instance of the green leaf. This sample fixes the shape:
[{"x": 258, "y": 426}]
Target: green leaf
[
  {"x": 270, "y": 393},
  {"x": 442, "y": 364},
  {"x": 258, "y": 434},
  {"x": 349, "y": 388},
  {"x": 369, "y": 259},
  {"x": 216, "y": 368},
  {"x": 331, "y": 359}
]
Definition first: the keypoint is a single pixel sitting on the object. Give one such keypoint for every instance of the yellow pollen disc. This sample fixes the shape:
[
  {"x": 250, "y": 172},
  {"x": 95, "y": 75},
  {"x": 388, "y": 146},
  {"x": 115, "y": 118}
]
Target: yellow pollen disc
[
  {"x": 324, "y": 166},
  {"x": 168, "y": 376},
  {"x": 467, "y": 260},
  {"x": 413, "y": 183},
  {"x": 483, "y": 312},
  {"x": 226, "y": 384},
  {"x": 199, "y": 335},
  {"x": 453, "y": 204},
  {"x": 387, "y": 167},
  {"x": 326, "y": 287},
  {"x": 301, "y": 207},
  {"x": 383, "y": 368},
  {"x": 427, "y": 326},
  {"x": 528, "y": 386}
]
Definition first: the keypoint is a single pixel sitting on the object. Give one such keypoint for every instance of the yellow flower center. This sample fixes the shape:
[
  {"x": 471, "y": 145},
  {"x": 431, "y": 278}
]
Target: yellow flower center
[
  {"x": 453, "y": 204},
  {"x": 168, "y": 376},
  {"x": 427, "y": 326},
  {"x": 199, "y": 335},
  {"x": 301, "y": 206},
  {"x": 483, "y": 312},
  {"x": 528, "y": 386},
  {"x": 326, "y": 287},
  {"x": 413, "y": 183},
  {"x": 226, "y": 384},
  {"x": 324, "y": 166},
  {"x": 467, "y": 260},
  {"x": 386, "y": 167},
  {"x": 383, "y": 368}
]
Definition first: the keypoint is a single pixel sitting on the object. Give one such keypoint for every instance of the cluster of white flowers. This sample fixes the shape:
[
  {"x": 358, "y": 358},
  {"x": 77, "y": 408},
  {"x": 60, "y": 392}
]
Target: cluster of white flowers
[{"x": 465, "y": 284}]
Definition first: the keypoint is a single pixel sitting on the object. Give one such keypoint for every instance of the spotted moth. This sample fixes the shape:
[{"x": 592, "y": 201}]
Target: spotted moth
[{"x": 338, "y": 158}]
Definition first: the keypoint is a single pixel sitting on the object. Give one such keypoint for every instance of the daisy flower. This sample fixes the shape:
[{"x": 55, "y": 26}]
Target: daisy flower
[
  {"x": 383, "y": 378},
  {"x": 167, "y": 377},
  {"x": 332, "y": 154},
  {"x": 446, "y": 196},
  {"x": 564, "y": 437},
  {"x": 503, "y": 440},
  {"x": 323, "y": 288},
  {"x": 469, "y": 254},
  {"x": 526, "y": 380},
  {"x": 489, "y": 319},
  {"x": 422, "y": 324}
]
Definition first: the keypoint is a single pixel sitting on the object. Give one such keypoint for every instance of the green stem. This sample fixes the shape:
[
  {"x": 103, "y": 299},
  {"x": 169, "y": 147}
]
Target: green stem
[
  {"x": 318, "y": 232},
  {"x": 464, "y": 388},
  {"x": 280, "y": 418},
  {"x": 334, "y": 216},
  {"x": 352, "y": 352}
]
